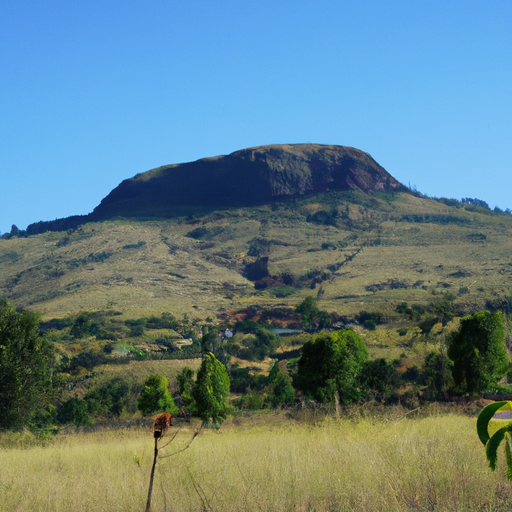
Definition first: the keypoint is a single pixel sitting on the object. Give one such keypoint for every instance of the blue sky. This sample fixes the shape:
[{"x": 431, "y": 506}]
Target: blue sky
[{"x": 96, "y": 92}]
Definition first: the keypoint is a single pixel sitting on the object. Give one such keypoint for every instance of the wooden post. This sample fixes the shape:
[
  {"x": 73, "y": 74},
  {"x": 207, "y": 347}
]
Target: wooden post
[{"x": 150, "y": 490}]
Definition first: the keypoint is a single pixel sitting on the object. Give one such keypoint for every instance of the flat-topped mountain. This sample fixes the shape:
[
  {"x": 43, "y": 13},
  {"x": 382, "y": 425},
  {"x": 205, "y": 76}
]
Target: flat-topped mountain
[{"x": 247, "y": 177}]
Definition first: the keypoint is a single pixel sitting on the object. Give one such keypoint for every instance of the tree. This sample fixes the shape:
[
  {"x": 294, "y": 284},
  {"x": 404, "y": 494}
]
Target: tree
[
  {"x": 307, "y": 310},
  {"x": 186, "y": 383},
  {"x": 81, "y": 326},
  {"x": 282, "y": 390},
  {"x": 279, "y": 387},
  {"x": 478, "y": 352},
  {"x": 310, "y": 315},
  {"x": 211, "y": 391},
  {"x": 437, "y": 369},
  {"x": 380, "y": 378},
  {"x": 27, "y": 362},
  {"x": 76, "y": 412},
  {"x": 110, "y": 398},
  {"x": 155, "y": 396},
  {"x": 332, "y": 362}
]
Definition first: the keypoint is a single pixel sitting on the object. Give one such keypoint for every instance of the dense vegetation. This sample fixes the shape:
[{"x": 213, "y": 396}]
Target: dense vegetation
[{"x": 412, "y": 355}]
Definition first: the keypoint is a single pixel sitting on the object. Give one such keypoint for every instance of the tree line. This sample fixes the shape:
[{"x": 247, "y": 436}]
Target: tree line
[{"x": 332, "y": 366}]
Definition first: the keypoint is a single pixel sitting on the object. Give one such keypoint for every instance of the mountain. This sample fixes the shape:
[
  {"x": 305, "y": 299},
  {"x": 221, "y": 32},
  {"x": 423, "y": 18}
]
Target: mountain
[
  {"x": 248, "y": 177},
  {"x": 262, "y": 226}
]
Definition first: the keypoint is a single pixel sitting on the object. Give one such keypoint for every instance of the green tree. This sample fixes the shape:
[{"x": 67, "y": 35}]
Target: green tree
[
  {"x": 111, "y": 398},
  {"x": 186, "y": 385},
  {"x": 211, "y": 391},
  {"x": 380, "y": 378},
  {"x": 27, "y": 362},
  {"x": 82, "y": 326},
  {"x": 478, "y": 352},
  {"x": 307, "y": 310},
  {"x": 279, "y": 387},
  {"x": 76, "y": 412},
  {"x": 136, "y": 327},
  {"x": 437, "y": 370},
  {"x": 282, "y": 391},
  {"x": 332, "y": 362},
  {"x": 155, "y": 396}
]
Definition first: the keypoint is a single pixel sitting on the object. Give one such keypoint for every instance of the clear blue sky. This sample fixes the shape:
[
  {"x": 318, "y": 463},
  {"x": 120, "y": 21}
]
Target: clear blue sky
[{"x": 94, "y": 92}]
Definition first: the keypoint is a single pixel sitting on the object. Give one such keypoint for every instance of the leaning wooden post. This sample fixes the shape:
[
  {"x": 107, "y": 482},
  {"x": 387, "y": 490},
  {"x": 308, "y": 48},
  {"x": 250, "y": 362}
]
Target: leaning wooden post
[{"x": 157, "y": 434}]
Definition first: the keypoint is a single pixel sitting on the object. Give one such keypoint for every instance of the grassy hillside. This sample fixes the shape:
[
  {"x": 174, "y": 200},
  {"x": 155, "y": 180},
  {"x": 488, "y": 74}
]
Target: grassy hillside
[{"x": 352, "y": 251}]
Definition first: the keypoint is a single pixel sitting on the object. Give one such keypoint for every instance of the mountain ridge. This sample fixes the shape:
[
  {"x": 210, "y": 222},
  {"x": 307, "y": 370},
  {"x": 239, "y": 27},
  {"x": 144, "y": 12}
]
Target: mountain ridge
[{"x": 246, "y": 177}]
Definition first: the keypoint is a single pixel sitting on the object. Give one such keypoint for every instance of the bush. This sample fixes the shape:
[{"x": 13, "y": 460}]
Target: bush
[{"x": 74, "y": 411}]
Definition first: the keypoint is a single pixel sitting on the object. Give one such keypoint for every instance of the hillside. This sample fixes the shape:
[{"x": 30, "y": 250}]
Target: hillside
[{"x": 313, "y": 220}]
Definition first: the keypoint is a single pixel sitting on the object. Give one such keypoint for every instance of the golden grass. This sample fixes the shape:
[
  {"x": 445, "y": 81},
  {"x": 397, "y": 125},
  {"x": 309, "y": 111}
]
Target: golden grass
[{"x": 265, "y": 463}]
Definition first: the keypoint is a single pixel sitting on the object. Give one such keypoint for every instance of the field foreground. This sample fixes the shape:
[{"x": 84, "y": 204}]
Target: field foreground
[{"x": 395, "y": 462}]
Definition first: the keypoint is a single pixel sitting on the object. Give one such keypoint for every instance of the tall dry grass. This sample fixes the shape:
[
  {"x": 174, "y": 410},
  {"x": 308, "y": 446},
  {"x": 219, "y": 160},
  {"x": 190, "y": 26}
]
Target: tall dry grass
[{"x": 264, "y": 463}]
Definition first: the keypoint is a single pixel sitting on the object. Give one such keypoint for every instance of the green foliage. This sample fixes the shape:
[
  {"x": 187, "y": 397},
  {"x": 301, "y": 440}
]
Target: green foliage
[
  {"x": 155, "y": 396},
  {"x": 281, "y": 389},
  {"x": 370, "y": 319},
  {"x": 99, "y": 324},
  {"x": 478, "y": 352},
  {"x": 251, "y": 401},
  {"x": 27, "y": 362},
  {"x": 307, "y": 310},
  {"x": 444, "y": 309},
  {"x": 380, "y": 379},
  {"x": 332, "y": 362},
  {"x": 136, "y": 327},
  {"x": 186, "y": 385},
  {"x": 240, "y": 379},
  {"x": 211, "y": 391},
  {"x": 75, "y": 412},
  {"x": 492, "y": 442},
  {"x": 259, "y": 346},
  {"x": 111, "y": 398},
  {"x": 437, "y": 369},
  {"x": 81, "y": 326},
  {"x": 310, "y": 315},
  {"x": 323, "y": 217},
  {"x": 164, "y": 321}
]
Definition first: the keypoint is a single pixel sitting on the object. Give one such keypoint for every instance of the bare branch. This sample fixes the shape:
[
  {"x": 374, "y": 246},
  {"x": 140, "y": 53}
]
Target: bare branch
[{"x": 196, "y": 433}]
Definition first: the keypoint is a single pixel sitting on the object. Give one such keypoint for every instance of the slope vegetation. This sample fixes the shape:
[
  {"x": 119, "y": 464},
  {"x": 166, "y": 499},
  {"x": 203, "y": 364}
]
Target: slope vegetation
[{"x": 350, "y": 250}]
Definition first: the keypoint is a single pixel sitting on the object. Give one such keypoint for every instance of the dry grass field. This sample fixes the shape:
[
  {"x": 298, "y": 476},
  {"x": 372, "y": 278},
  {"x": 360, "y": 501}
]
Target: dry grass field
[{"x": 392, "y": 461}]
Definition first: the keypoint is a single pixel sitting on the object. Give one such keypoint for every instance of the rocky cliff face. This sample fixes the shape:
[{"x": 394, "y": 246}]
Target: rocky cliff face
[{"x": 247, "y": 177}]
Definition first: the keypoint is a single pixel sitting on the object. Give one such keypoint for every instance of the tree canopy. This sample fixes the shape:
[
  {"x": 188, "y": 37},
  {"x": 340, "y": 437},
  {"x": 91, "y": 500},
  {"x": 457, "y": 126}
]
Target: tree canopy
[
  {"x": 27, "y": 362},
  {"x": 211, "y": 391},
  {"x": 478, "y": 352},
  {"x": 155, "y": 396},
  {"x": 332, "y": 362}
]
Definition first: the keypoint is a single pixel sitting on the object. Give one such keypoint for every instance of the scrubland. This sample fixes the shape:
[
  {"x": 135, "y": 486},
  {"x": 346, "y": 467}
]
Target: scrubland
[{"x": 395, "y": 460}]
